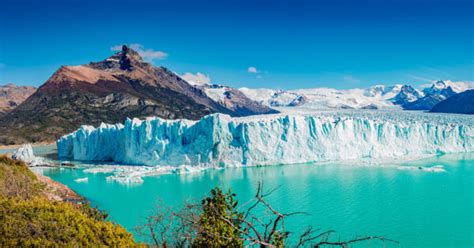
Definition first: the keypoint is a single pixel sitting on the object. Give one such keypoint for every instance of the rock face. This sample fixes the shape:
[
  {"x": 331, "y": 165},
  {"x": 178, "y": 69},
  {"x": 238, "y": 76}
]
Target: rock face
[
  {"x": 11, "y": 96},
  {"x": 111, "y": 90},
  {"x": 462, "y": 103}
]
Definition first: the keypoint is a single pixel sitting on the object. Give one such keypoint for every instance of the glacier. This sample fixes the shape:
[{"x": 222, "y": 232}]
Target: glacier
[{"x": 219, "y": 140}]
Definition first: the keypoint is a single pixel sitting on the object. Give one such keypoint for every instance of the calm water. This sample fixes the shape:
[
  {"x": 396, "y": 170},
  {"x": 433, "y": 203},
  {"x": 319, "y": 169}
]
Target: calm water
[{"x": 418, "y": 208}]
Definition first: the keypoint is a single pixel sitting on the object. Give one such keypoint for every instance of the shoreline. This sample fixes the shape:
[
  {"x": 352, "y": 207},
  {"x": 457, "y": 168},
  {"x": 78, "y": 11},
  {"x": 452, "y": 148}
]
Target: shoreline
[
  {"x": 58, "y": 191},
  {"x": 4, "y": 147}
]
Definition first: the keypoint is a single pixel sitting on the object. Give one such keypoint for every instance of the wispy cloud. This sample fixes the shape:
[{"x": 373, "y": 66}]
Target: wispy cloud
[
  {"x": 252, "y": 69},
  {"x": 147, "y": 54},
  {"x": 423, "y": 79},
  {"x": 196, "y": 79},
  {"x": 258, "y": 73},
  {"x": 350, "y": 79}
]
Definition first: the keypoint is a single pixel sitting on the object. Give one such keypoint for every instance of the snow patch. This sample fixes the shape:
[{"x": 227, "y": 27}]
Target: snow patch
[{"x": 82, "y": 180}]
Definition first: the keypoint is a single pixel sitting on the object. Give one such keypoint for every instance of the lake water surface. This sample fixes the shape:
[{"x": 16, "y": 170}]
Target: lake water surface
[{"x": 397, "y": 200}]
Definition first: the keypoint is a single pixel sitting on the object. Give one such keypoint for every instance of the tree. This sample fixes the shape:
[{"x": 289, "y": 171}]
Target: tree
[{"x": 219, "y": 223}]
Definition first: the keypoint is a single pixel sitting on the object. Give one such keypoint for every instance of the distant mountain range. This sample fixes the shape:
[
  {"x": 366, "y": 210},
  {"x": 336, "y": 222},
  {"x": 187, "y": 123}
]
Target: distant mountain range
[
  {"x": 123, "y": 86},
  {"x": 11, "y": 96},
  {"x": 377, "y": 97},
  {"x": 111, "y": 90}
]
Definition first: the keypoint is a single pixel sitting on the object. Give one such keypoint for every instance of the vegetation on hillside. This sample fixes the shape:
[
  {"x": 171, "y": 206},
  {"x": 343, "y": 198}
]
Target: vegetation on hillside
[
  {"x": 17, "y": 180},
  {"x": 29, "y": 219}
]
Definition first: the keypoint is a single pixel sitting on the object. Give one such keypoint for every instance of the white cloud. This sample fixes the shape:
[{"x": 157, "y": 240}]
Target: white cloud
[
  {"x": 252, "y": 69},
  {"x": 350, "y": 79},
  {"x": 146, "y": 53},
  {"x": 196, "y": 79}
]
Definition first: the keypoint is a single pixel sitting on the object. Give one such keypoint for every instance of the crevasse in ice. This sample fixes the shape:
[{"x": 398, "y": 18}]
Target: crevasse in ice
[{"x": 219, "y": 140}]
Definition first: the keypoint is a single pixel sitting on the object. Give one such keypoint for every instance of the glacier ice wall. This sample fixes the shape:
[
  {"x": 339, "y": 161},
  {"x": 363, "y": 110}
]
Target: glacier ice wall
[{"x": 219, "y": 140}]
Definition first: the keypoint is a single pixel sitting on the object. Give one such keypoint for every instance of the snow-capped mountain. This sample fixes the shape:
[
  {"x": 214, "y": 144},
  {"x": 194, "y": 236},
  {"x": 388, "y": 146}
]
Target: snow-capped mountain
[
  {"x": 274, "y": 98},
  {"x": 325, "y": 98},
  {"x": 432, "y": 95},
  {"x": 406, "y": 95},
  {"x": 402, "y": 96},
  {"x": 235, "y": 100}
]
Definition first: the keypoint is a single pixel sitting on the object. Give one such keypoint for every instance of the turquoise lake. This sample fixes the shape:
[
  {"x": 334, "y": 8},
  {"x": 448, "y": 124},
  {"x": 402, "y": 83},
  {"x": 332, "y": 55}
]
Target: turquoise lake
[{"x": 397, "y": 200}]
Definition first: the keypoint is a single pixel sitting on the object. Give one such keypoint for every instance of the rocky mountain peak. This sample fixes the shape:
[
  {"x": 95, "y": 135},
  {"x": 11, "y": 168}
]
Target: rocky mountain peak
[
  {"x": 439, "y": 88},
  {"x": 440, "y": 84},
  {"x": 129, "y": 57},
  {"x": 126, "y": 59}
]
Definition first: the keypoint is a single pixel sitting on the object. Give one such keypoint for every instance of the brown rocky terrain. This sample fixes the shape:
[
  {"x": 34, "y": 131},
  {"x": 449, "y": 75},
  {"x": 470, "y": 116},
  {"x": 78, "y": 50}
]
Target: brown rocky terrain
[{"x": 11, "y": 96}]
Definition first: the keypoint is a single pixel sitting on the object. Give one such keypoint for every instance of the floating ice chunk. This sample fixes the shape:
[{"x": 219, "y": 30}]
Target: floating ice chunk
[
  {"x": 82, "y": 180},
  {"x": 436, "y": 168},
  {"x": 129, "y": 180},
  {"x": 25, "y": 154},
  {"x": 95, "y": 170}
]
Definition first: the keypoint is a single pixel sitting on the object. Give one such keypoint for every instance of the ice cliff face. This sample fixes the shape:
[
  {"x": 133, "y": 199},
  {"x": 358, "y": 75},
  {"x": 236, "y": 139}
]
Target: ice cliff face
[{"x": 219, "y": 140}]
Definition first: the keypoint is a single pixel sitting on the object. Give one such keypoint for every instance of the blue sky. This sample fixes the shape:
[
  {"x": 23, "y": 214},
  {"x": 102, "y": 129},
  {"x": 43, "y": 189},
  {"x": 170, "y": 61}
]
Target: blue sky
[{"x": 278, "y": 44}]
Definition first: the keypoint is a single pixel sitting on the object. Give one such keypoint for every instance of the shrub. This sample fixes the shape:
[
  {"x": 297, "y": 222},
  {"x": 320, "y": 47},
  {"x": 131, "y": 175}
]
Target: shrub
[
  {"x": 28, "y": 219},
  {"x": 39, "y": 222}
]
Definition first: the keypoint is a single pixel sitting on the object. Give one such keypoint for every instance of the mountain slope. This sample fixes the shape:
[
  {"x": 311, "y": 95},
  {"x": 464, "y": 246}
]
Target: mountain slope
[
  {"x": 111, "y": 90},
  {"x": 11, "y": 96},
  {"x": 438, "y": 92},
  {"x": 235, "y": 100},
  {"x": 462, "y": 103}
]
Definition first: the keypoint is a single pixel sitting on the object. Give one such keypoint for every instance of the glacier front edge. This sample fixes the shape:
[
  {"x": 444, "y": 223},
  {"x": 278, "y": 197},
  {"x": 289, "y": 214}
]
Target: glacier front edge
[{"x": 219, "y": 140}]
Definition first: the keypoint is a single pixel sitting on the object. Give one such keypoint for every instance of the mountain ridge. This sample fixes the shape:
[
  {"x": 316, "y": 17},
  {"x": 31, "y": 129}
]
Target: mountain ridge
[
  {"x": 461, "y": 103},
  {"x": 12, "y": 95},
  {"x": 111, "y": 90}
]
